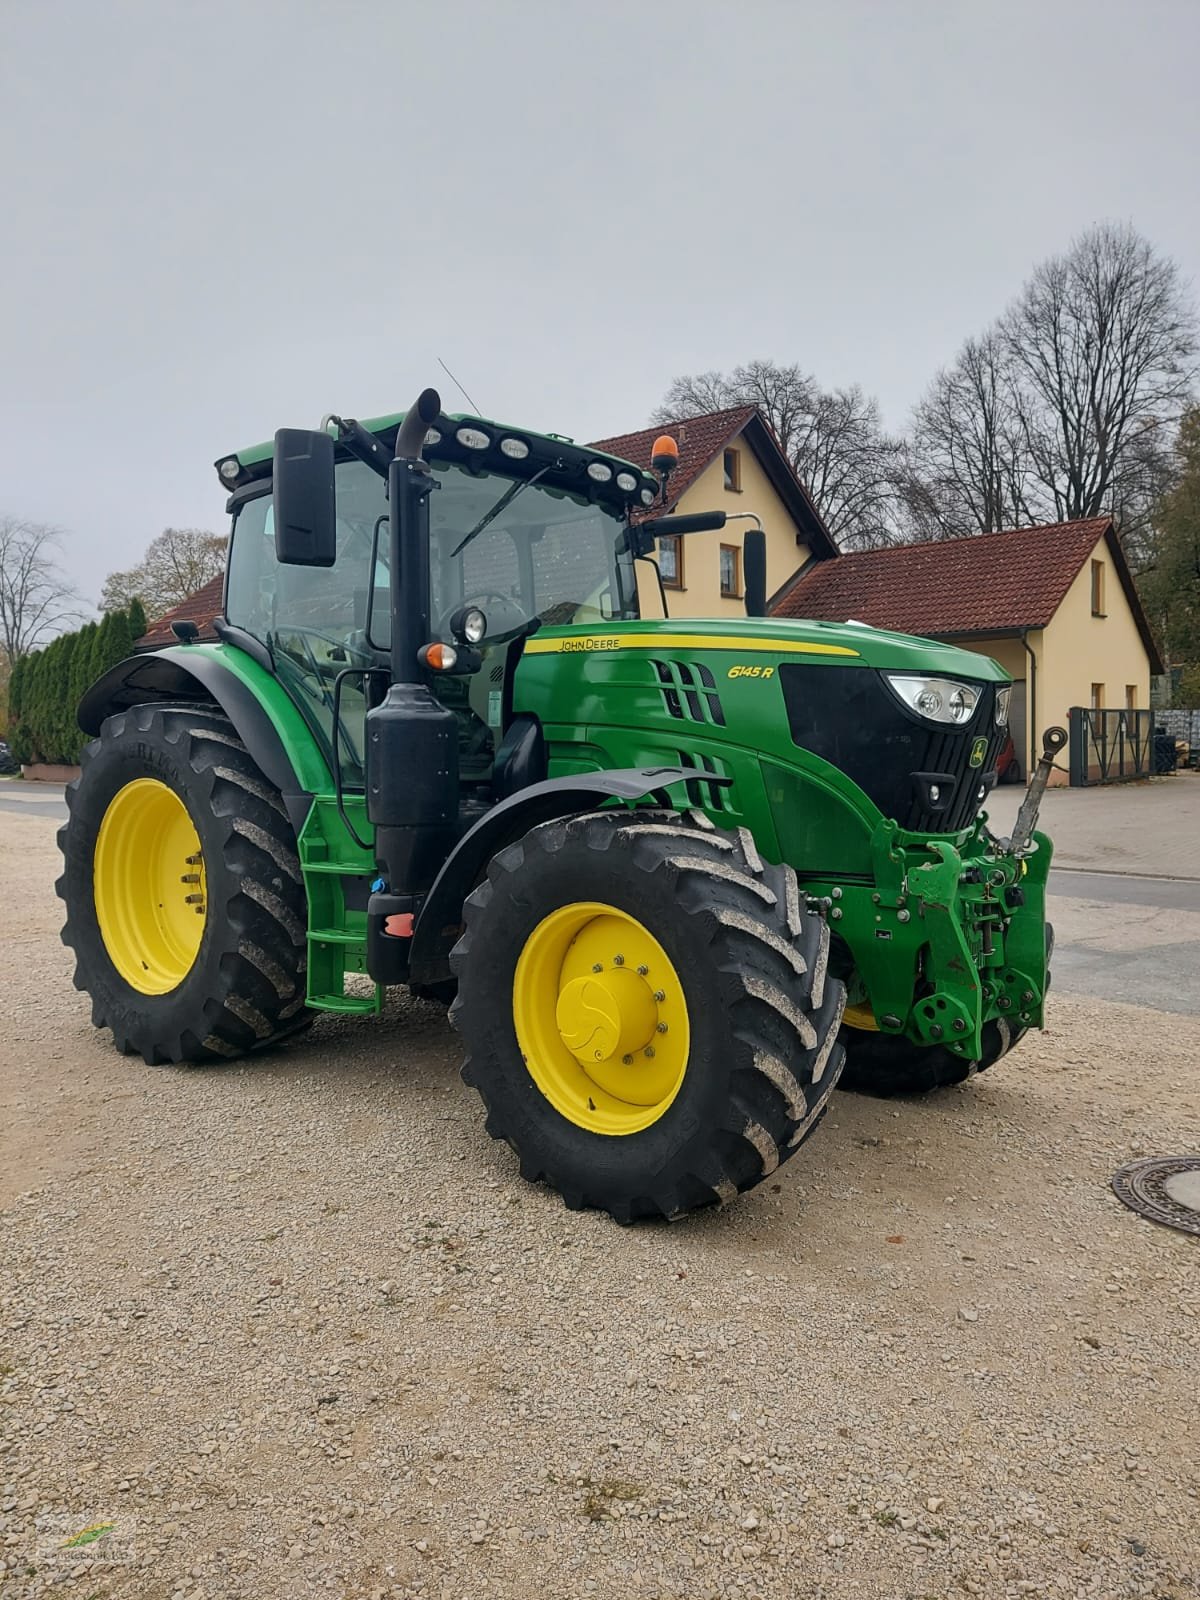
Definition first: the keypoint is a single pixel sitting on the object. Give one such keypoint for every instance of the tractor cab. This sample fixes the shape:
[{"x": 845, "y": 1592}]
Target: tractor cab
[{"x": 520, "y": 545}]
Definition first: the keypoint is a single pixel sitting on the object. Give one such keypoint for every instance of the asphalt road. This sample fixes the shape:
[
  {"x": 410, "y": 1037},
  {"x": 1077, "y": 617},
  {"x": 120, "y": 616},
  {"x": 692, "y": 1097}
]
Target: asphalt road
[{"x": 1118, "y": 937}]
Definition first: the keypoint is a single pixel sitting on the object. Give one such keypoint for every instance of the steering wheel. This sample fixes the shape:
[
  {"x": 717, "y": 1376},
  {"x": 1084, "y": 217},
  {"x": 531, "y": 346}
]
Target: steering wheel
[{"x": 516, "y": 617}]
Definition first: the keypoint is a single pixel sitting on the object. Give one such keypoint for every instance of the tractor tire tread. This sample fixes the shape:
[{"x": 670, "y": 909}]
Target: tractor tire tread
[{"x": 783, "y": 1013}]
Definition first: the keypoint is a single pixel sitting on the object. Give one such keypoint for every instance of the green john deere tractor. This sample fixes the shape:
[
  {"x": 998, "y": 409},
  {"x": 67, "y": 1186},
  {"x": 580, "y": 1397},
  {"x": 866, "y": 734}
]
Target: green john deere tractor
[{"x": 675, "y": 875}]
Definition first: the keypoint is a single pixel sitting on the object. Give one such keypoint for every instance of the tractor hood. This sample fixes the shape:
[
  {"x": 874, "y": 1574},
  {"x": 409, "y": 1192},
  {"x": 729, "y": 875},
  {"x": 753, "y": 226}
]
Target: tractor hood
[{"x": 761, "y": 639}]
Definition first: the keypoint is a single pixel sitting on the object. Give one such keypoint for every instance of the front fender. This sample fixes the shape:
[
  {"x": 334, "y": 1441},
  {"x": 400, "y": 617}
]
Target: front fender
[
  {"x": 440, "y": 921},
  {"x": 265, "y": 717}
]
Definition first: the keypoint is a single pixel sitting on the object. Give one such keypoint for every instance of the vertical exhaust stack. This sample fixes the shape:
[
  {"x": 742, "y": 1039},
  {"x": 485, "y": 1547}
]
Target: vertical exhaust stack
[{"x": 411, "y": 738}]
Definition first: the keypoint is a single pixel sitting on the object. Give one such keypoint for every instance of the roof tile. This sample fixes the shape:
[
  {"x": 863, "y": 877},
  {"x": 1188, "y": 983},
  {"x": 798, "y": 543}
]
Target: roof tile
[
  {"x": 199, "y": 608},
  {"x": 979, "y": 584}
]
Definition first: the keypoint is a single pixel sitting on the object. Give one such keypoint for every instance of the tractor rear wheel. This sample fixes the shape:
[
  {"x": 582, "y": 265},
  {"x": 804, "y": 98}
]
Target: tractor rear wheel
[
  {"x": 646, "y": 1010},
  {"x": 184, "y": 899}
]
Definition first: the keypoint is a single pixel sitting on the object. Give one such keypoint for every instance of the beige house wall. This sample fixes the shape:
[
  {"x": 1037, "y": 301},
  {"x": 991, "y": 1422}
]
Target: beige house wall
[
  {"x": 1082, "y": 649},
  {"x": 701, "y": 593}
]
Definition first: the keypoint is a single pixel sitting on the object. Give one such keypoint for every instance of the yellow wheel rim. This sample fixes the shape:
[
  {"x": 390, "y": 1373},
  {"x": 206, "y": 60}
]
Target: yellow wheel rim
[
  {"x": 601, "y": 1018},
  {"x": 148, "y": 883},
  {"x": 861, "y": 1016}
]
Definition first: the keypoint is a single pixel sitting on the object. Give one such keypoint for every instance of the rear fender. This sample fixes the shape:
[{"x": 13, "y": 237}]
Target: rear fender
[
  {"x": 440, "y": 921},
  {"x": 265, "y": 718}
]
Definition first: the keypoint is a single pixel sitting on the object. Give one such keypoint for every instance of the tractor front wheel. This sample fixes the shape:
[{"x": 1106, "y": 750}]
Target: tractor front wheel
[
  {"x": 884, "y": 1064},
  {"x": 646, "y": 1010},
  {"x": 184, "y": 899}
]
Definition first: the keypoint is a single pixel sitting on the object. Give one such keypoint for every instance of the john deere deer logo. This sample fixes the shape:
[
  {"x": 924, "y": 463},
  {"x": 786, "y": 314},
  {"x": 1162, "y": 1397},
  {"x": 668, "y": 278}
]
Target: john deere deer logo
[{"x": 978, "y": 751}]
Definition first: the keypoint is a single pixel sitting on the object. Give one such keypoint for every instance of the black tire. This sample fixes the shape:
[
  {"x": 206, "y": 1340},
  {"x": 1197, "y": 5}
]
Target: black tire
[
  {"x": 752, "y": 962},
  {"x": 880, "y": 1064},
  {"x": 883, "y": 1065},
  {"x": 246, "y": 988}
]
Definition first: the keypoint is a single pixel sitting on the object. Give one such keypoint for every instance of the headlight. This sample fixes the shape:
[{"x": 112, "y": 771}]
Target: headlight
[
  {"x": 1003, "y": 696},
  {"x": 935, "y": 699},
  {"x": 468, "y": 625}
]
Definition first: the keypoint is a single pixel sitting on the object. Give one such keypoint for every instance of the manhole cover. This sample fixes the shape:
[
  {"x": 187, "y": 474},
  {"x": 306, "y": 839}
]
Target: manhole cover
[{"x": 1165, "y": 1188}]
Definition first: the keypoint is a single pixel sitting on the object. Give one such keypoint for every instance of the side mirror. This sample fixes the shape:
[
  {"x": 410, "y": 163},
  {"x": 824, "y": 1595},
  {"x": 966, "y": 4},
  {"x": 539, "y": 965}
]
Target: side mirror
[
  {"x": 305, "y": 519},
  {"x": 754, "y": 572}
]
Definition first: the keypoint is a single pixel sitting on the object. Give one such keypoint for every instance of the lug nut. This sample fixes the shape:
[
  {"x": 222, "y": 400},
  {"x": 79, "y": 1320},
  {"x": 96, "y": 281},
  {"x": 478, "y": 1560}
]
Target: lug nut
[
  {"x": 642, "y": 971},
  {"x": 660, "y": 995},
  {"x": 193, "y": 899},
  {"x": 649, "y": 1050},
  {"x": 618, "y": 961},
  {"x": 190, "y": 877},
  {"x": 662, "y": 1027},
  {"x": 626, "y": 1061},
  {"x": 194, "y": 861},
  {"x": 596, "y": 967}
]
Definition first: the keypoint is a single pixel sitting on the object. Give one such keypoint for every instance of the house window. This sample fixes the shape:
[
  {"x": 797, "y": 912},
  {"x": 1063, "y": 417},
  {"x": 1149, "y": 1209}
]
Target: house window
[
  {"x": 1098, "y": 589},
  {"x": 670, "y": 560},
  {"x": 1131, "y": 697},
  {"x": 1097, "y": 697},
  {"x": 731, "y": 588},
  {"x": 733, "y": 470}
]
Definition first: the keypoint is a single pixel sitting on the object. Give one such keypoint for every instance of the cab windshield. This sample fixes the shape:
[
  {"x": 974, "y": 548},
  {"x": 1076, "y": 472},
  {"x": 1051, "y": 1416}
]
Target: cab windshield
[{"x": 521, "y": 552}]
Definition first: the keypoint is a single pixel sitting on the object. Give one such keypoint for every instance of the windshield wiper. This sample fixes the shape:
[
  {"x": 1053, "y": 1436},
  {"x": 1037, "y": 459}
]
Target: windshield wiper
[{"x": 505, "y": 500}]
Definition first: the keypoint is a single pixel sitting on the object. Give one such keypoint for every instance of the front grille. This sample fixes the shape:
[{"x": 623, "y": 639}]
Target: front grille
[{"x": 849, "y": 717}]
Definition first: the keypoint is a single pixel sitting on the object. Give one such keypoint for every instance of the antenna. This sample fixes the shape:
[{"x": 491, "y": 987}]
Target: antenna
[{"x": 458, "y": 386}]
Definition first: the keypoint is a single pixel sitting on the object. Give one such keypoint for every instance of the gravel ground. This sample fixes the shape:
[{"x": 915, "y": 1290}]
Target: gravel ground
[{"x": 297, "y": 1328}]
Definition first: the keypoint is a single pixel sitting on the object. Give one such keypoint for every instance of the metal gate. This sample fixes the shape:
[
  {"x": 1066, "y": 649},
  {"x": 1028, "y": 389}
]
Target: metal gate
[{"x": 1110, "y": 746}]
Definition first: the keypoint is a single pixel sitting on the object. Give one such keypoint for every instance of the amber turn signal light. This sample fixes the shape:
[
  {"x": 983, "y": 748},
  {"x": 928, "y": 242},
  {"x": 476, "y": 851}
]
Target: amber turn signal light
[{"x": 438, "y": 657}]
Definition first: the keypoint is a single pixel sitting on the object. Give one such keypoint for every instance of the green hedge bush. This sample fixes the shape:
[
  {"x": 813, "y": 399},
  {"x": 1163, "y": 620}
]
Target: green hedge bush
[{"x": 46, "y": 687}]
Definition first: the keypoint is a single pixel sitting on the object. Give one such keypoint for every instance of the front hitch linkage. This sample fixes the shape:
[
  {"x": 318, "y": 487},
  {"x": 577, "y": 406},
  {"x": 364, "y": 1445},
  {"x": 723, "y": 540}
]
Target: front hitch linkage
[{"x": 1053, "y": 741}]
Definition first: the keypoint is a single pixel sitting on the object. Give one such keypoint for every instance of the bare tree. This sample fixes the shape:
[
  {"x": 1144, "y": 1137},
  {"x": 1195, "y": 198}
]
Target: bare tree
[
  {"x": 35, "y": 598},
  {"x": 1102, "y": 344},
  {"x": 969, "y": 463},
  {"x": 834, "y": 439},
  {"x": 176, "y": 564}
]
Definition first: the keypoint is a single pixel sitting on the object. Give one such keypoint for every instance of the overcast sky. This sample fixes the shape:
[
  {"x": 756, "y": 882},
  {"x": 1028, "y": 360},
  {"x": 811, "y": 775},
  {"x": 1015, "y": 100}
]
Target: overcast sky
[{"x": 222, "y": 218}]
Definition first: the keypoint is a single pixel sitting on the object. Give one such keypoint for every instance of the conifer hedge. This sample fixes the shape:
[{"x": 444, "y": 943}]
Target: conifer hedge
[{"x": 45, "y": 687}]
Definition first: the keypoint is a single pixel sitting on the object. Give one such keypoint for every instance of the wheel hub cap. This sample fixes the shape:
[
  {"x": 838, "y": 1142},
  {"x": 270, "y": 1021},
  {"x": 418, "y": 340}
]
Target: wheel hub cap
[{"x": 610, "y": 1015}]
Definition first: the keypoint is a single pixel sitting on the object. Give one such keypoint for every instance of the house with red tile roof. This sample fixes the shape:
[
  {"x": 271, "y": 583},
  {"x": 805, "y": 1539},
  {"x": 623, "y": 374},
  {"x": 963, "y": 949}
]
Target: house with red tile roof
[
  {"x": 1055, "y": 605},
  {"x": 729, "y": 461}
]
